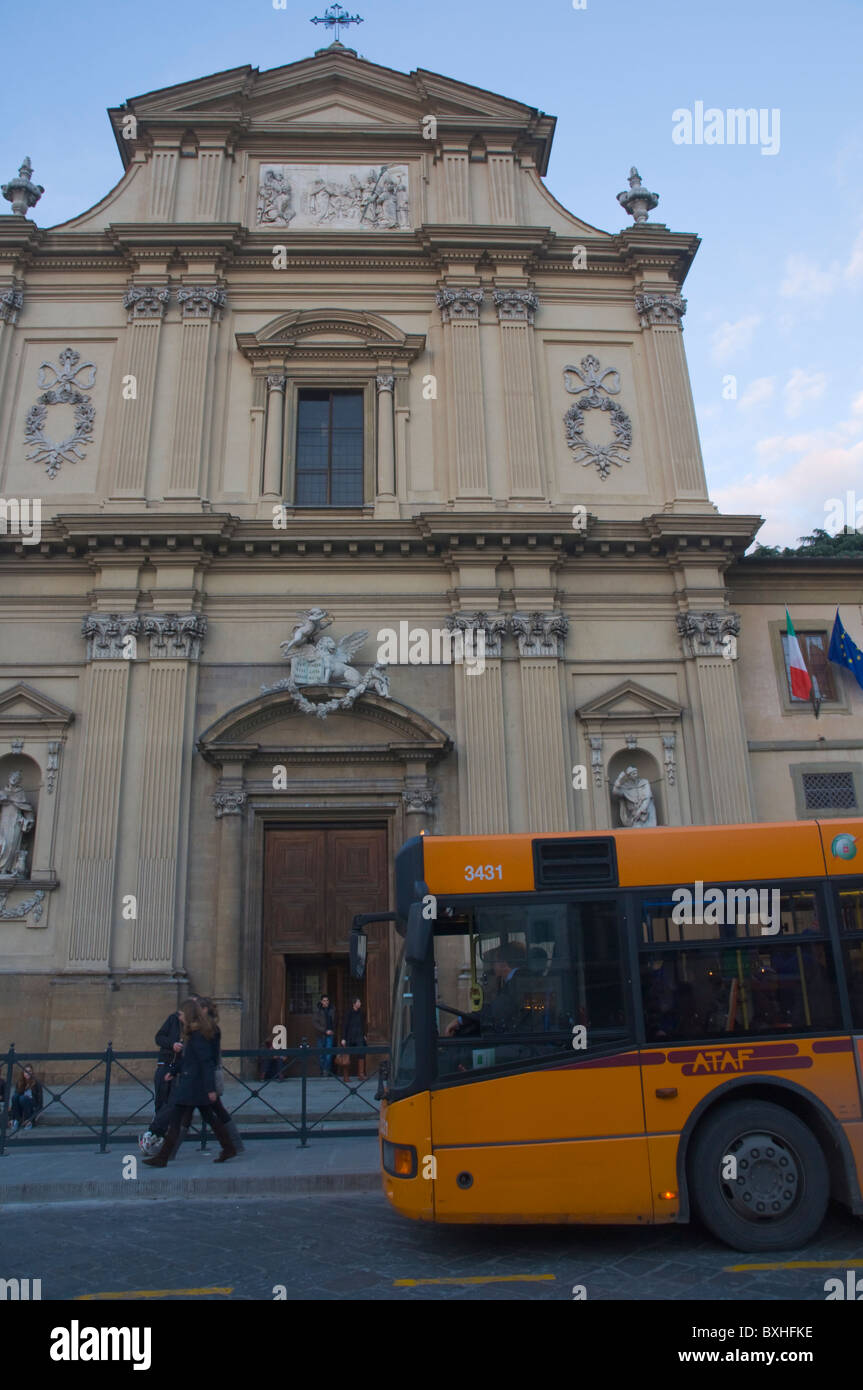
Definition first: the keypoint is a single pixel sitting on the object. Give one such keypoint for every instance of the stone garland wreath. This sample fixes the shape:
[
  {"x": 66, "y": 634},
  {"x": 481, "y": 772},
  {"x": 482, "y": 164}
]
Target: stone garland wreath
[
  {"x": 66, "y": 386},
  {"x": 602, "y": 455}
]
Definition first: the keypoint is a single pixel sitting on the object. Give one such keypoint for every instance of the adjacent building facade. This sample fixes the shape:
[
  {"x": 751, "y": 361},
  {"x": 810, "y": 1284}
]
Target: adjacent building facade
[{"x": 327, "y": 389}]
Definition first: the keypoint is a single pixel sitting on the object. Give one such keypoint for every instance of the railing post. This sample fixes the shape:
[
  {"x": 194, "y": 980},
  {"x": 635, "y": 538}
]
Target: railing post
[
  {"x": 106, "y": 1099},
  {"x": 304, "y": 1086},
  {"x": 7, "y": 1097}
]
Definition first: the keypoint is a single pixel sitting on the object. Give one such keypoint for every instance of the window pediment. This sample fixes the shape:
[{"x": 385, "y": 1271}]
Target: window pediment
[{"x": 322, "y": 332}]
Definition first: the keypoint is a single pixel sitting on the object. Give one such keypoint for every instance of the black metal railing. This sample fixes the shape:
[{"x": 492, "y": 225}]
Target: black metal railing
[{"x": 295, "y": 1066}]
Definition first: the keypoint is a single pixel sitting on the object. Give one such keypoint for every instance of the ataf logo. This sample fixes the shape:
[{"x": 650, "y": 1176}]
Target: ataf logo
[
  {"x": 843, "y": 847},
  {"x": 718, "y": 1059}
]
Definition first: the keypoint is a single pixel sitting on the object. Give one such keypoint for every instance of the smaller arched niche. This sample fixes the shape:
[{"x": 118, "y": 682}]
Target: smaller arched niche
[
  {"x": 20, "y": 783},
  {"x": 647, "y": 770}
]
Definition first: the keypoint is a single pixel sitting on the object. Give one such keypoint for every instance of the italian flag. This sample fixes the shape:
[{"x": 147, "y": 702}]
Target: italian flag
[{"x": 801, "y": 681}]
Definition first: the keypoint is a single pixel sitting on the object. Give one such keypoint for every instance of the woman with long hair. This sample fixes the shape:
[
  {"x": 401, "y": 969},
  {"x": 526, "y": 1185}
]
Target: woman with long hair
[
  {"x": 26, "y": 1099},
  {"x": 195, "y": 1086},
  {"x": 212, "y": 1012}
]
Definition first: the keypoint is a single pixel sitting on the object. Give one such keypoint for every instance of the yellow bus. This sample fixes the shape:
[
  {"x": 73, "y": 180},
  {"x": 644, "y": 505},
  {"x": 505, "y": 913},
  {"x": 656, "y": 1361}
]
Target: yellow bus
[{"x": 630, "y": 1027}]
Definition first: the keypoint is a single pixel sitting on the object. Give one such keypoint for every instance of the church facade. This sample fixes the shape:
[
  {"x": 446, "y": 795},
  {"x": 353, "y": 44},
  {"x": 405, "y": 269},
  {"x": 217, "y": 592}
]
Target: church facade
[{"x": 352, "y": 488}]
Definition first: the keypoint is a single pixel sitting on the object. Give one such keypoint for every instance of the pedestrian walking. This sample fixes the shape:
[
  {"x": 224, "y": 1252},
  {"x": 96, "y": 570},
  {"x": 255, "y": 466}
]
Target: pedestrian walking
[
  {"x": 169, "y": 1041},
  {"x": 354, "y": 1036},
  {"x": 325, "y": 1027},
  {"x": 224, "y": 1115},
  {"x": 195, "y": 1086}
]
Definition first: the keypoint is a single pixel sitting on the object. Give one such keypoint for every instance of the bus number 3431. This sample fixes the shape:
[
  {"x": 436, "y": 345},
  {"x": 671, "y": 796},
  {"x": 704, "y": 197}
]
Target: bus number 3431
[{"x": 487, "y": 871}]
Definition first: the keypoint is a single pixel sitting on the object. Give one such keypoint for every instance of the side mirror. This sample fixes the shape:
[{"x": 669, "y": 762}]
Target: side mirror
[
  {"x": 418, "y": 936},
  {"x": 359, "y": 951}
]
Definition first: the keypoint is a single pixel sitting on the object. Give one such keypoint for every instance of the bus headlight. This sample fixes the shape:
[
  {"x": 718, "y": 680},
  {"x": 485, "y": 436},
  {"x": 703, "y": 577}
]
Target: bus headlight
[{"x": 399, "y": 1160}]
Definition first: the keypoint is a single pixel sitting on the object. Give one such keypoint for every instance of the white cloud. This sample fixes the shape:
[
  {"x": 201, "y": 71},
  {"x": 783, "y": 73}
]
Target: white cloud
[
  {"x": 731, "y": 338},
  {"x": 761, "y": 389},
  {"x": 801, "y": 473},
  {"x": 803, "y": 387},
  {"x": 854, "y": 268},
  {"x": 804, "y": 279}
]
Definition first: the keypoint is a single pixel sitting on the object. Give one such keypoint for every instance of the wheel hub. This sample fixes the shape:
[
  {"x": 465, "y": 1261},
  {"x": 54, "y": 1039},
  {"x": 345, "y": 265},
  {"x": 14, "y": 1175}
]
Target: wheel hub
[{"x": 767, "y": 1181}]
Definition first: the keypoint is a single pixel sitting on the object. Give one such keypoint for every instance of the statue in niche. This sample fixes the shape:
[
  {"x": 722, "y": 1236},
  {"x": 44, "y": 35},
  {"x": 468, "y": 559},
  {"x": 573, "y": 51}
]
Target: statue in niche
[
  {"x": 16, "y": 819},
  {"x": 637, "y": 807}
]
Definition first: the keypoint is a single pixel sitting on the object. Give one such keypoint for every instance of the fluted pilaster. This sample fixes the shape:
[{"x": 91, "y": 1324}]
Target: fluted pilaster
[
  {"x": 725, "y": 782},
  {"x": 146, "y": 305},
  {"x": 93, "y": 906},
  {"x": 516, "y": 309},
  {"x": 661, "y": 317},
  {"x": 200, "y": 307},
  {"x": 460, "y": 313}
]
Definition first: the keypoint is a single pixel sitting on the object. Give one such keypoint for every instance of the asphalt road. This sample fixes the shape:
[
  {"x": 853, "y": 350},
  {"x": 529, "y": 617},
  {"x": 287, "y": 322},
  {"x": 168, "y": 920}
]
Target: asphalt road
[{"x": 355, "y": 1247}]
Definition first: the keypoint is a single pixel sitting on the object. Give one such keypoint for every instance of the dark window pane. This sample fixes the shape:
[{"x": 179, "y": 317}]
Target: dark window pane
[
  {"x": 850, "y": 904},
  {"x": 329, "y": 462},
  {"x": 853, "y": 950},
  {"x": 768, "y": 989}
]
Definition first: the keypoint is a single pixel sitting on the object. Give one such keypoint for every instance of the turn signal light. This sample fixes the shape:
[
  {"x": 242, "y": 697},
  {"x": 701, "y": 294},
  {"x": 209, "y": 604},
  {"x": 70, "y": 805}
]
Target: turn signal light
[
  {"x": 399, "y": 1160},
  {"x": 667, "y": 1196}
]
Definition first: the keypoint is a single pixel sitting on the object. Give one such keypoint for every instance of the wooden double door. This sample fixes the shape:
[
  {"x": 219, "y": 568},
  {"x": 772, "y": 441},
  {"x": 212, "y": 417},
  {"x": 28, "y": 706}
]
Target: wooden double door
[{"x": 315, "y": 880}]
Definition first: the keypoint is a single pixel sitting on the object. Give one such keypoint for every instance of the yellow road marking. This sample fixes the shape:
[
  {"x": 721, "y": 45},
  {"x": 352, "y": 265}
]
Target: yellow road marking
[
  {"x": 796, "y": 1264},
  {"x": 476, "y": 1279},
  {"x": 151, "y": 1293}
]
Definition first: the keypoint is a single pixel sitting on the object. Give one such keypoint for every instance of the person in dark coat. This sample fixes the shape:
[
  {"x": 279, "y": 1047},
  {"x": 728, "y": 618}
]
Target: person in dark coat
[
  {"x": 325, "y": 1027},
  {"x": 195, "y": 1086},
  {"x": 169, "y": 1041},
  {"x": 355, "y": 1036},
  {"x": 212, "y": 1012},
  {"x": 26, "y": 1099}
]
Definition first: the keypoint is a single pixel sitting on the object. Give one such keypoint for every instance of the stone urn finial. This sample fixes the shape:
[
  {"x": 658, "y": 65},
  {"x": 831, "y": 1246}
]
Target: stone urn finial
[
  {"x": 22, "y": 193},
  {"x": 638, "y": 202}
]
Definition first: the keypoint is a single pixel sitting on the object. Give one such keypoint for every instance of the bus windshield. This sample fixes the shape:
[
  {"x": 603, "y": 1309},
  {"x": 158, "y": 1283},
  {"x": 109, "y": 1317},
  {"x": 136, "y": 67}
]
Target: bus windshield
[{"x": 527, "y": 980}]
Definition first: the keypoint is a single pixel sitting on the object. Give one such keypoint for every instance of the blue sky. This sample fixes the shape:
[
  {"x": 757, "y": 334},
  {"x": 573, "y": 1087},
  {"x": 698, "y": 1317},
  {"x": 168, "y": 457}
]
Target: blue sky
[{"x": 776, "y": 291}]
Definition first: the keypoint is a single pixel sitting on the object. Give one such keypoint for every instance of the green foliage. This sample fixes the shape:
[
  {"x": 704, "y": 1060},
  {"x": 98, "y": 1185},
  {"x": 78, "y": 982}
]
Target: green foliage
[{"x": 820, "y": 543}]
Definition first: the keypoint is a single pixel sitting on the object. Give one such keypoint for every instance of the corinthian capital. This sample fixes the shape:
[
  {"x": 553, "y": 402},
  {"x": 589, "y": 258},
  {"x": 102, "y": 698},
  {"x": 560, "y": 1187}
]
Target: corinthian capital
[
  {"x": 656, "y": 310},
  {"x": 707, "y": 633},
  {"x": 539, "y": 634},
  {"x": 516, "y": 306},
  {"x": 493, "y": 625},
  {"x": 11, "y": 303},
  {"x": 201, "y": 301},
  {"x": 108, "y": 633},
  {"x": 177, "y": 635},
  {"x": 459, "y": 303},
  {"x": 146, "y": 301}
]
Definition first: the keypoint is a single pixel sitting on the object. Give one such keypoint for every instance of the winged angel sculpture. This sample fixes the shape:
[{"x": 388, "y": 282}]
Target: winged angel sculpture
[{"x": 317, "y": 660}]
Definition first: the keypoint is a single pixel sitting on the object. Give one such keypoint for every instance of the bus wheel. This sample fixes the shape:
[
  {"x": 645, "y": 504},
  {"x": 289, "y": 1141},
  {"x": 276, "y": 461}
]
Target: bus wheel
[{"x": 758, "y": 1177}]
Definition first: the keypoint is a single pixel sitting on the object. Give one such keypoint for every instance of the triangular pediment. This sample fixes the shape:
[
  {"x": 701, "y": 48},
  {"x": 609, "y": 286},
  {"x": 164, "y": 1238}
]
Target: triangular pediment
[
  {"x": 21, "y": 704},
  {"x": 335, "y": 88},
  {"x": 630, "y": 701}
]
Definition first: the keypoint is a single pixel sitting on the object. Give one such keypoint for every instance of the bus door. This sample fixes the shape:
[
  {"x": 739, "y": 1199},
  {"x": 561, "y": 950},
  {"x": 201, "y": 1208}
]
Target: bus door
[{"x": 537, "y": 1110}]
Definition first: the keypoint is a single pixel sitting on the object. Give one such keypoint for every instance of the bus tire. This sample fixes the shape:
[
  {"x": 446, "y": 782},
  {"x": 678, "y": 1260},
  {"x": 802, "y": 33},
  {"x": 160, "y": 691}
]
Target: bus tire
[{"x": 779, "y": 1196}]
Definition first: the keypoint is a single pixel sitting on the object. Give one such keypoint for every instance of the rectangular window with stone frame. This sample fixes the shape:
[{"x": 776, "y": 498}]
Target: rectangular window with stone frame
[
  {"x": 814, "y": 639},
  {"x": 329, "y": 449}
]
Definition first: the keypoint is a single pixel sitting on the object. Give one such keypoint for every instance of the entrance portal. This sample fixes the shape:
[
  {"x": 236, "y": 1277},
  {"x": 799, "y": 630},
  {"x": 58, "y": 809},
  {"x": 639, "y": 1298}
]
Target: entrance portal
[{"x": 315, "y": 880}]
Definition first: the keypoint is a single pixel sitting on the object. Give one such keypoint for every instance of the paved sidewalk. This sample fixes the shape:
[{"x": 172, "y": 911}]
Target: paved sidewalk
[{"x": 278, "y": 1167}]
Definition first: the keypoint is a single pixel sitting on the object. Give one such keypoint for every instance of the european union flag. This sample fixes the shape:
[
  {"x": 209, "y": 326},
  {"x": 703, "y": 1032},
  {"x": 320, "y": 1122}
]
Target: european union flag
[{"x": 845, "y": 652}]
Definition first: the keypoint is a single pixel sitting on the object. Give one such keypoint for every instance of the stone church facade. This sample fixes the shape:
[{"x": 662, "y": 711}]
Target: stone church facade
[{"x": 330, "y": 360}]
